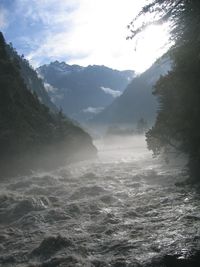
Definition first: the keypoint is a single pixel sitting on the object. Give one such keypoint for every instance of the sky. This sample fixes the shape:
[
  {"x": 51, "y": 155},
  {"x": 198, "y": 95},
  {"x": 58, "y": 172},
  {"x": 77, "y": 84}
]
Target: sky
[{"x": 83, "y": 32}]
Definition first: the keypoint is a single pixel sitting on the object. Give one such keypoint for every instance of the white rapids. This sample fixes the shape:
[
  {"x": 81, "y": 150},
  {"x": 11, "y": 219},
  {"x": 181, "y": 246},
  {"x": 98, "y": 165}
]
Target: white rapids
[{"x": 121, "y": 209}]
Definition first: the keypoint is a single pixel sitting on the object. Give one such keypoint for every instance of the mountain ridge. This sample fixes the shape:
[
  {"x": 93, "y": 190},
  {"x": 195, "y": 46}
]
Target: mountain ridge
[
  {"x": 30, "y": 77},
  {"x": 30, "y": 135},
  {"x": 137, "y": 100},
  {"x": 83, "y": 91}
]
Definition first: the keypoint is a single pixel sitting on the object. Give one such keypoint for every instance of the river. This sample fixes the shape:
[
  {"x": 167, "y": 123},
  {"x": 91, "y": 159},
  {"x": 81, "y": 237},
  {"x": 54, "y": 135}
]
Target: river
[{"x": 120, "y": 209}]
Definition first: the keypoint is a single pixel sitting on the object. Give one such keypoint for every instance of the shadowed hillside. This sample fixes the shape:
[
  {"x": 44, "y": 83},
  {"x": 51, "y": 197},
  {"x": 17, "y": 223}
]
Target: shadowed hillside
[
  {"x": 31, "y": 136},
  {"x": 30, "y": 77},
  {"x": 137, "y": 100}
]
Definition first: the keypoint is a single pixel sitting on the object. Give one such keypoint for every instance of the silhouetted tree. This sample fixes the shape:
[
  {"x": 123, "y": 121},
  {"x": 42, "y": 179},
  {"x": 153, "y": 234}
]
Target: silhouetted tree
[{"x": 177, "y": 124}]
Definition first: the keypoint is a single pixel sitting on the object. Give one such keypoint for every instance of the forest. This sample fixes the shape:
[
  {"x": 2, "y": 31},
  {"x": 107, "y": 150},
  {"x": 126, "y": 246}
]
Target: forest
[
  {"x": 177, "y": 124},
  {"x": 32, "y": 135}
]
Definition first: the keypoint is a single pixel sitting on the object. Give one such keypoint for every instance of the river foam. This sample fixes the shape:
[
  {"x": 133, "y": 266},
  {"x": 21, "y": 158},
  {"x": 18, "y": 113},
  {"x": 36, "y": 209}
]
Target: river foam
[{"x": 122, "y": 209}]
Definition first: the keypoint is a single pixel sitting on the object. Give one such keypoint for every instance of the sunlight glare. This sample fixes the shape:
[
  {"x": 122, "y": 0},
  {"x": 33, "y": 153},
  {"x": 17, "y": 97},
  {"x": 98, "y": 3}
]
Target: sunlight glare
[
  {"x": 97, "y": 35},
  {"x": 102, "y": 34},
  {"x": 150, "y": 45}
]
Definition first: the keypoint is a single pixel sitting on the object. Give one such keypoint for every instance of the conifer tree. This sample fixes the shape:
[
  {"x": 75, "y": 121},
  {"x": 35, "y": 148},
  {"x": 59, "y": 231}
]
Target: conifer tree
[{"x": 178, "y": 121}]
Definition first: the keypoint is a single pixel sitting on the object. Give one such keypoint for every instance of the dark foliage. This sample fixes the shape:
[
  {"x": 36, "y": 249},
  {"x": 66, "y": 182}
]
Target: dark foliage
[
  {"x": 177, "y": 123},
  {"x": 30, "y": 77},
  {"x": 27, "y": 128}
]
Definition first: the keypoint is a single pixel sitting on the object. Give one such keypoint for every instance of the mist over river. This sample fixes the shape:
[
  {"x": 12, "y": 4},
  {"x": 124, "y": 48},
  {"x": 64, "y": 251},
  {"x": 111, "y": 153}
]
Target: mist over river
[{"x": 121, "y": 209}]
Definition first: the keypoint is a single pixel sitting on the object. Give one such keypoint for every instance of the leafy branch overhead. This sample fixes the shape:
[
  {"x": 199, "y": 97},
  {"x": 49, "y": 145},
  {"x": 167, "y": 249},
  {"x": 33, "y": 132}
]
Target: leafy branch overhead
[
  {"x": 177, "y": 123},
  {"x": 155, "y": 13}
]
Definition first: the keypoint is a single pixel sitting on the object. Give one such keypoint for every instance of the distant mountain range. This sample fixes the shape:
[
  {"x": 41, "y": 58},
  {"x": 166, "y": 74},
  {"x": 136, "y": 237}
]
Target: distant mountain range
[
  {"x": 137, "y": 100},
  {"x": 82, "y": 92}
]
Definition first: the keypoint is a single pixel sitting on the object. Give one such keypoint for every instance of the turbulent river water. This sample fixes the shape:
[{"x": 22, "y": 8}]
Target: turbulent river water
[{"x": 120, "y": 209}]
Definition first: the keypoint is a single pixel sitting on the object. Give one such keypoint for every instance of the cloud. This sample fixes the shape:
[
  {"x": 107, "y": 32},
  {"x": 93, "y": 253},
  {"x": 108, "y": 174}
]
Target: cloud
[
  {"x": 109, "y": 91},
  {"x": 49, "y": 88},
  {"x": 3, "y": 18},
  {"x": 55, "y": 95},
  {"x": 83, "y": 32},
  {"x": 80, "y": 32},
  {"x": 48, "y": 12},
  {"x": 93, "y": 110}
]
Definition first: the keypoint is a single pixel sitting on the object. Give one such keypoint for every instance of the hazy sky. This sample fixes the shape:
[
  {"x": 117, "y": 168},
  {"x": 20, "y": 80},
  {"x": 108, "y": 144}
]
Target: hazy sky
[{"x": 80, "y": 32}]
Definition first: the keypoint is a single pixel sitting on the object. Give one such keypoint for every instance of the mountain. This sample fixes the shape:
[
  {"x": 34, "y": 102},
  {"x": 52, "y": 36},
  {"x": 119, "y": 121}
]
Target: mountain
[
  {"x": 30, "y": 77},
  {"x": 82, "y": 92},
  {"x": 30, "y": 135},
  {"x": 137, "y": 101}
]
